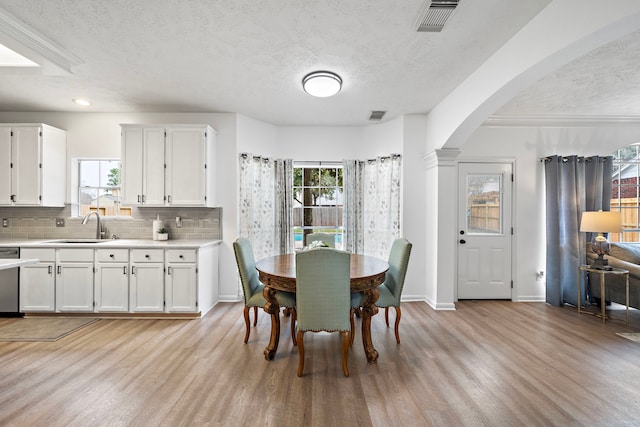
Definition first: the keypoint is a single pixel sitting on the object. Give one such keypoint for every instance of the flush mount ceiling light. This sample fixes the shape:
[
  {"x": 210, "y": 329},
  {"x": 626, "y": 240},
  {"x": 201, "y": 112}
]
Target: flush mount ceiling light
[
  {"x": 322, "y": 84},
  {"x": 82, "y": 102}
]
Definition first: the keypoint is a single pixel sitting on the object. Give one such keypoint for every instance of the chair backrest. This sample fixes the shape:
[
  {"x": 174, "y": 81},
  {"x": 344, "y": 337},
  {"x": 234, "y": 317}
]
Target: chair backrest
[
  {"x": 327, "y": 238},
  {"x": 323, "y": 291},
  {"x": 398, "y": 263},
  {"x": 246, "y": 267}
]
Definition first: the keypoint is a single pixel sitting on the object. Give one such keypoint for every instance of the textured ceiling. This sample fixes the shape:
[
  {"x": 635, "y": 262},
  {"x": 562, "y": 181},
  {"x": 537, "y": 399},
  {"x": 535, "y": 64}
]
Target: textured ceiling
[
  {"x": 249, "y": 56},
  {"x": 605, "y": 82}
]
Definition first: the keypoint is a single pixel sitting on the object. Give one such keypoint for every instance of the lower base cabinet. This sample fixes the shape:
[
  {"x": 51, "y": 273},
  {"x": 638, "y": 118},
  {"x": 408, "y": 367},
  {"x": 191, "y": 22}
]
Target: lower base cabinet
[
  {"x": 146, "y": 287},
  {"x": 119, "y": 280},
  {"x": 38, "y": 281},
  {"x": 74, "y": 280}
]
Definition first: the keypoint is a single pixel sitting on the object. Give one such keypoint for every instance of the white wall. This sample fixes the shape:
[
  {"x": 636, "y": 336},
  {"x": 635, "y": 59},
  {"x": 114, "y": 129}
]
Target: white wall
[{"x": 527, "y": 144}]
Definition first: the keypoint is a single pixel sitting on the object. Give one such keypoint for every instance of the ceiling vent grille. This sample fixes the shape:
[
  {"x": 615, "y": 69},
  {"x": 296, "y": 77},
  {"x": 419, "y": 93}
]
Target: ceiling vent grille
[
  {"x": 377, "y": 115},
  {"x": 435, "y": 14}
]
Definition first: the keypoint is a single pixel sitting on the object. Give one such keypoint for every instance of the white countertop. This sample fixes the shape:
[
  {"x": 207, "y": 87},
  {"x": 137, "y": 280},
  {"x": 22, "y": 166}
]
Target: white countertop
[
  {"x": 13, "y": 263},
  {"x": 108, "y": 243}
]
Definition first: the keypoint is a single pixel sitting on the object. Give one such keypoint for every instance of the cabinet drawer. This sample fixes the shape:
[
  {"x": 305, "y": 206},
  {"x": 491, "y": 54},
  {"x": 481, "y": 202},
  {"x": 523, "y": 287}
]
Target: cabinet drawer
[
  {"x": 147, "y": 255},
  {"x": 181, "y": 255},
  {"x": 112, "y": 255},
  {"x": 75, "y": 255},
  {"x": 44, "y": 255}
]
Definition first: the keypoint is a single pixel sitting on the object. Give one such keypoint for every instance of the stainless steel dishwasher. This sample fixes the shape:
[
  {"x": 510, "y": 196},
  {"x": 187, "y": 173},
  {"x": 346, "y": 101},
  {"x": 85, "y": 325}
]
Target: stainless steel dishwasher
[{"x": 10, "y": 285}]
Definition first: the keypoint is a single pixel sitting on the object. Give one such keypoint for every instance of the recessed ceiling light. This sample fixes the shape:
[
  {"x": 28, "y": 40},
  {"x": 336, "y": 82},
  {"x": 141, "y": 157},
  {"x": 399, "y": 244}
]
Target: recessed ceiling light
[
  {"x": 82, "y": 102},
  {"x": 322, "y": 83}
]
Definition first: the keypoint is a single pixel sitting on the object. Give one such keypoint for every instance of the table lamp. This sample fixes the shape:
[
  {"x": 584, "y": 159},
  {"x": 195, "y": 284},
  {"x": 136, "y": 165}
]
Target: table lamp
[{"x": 601, "y": 222}]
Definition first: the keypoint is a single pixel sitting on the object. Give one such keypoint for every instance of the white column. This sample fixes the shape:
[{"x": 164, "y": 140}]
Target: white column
[{"x": 441, "y": 266}]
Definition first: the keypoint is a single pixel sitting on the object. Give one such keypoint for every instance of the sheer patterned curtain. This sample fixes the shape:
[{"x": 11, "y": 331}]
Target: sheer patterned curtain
[
  {"x": 265, "y": 204},
  {"x": 284, "y": 205},
  {"x": 372, "y": 204},
  {"x": 573, "y": 185}
]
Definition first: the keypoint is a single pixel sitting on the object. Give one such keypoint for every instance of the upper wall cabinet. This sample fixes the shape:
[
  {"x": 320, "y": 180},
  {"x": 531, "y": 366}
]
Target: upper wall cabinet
[
  {"x": 32, "y": 165},
  {"x": 168, "y": 165}
]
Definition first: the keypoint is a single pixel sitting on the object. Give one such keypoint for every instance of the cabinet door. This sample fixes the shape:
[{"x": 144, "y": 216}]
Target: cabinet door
[
  {"x": 37, "y": 287},
  {"x": 181, "y": 288},
  {"x": 132, "y": 152},
  {"x": 26, "y": 154},
  {"x": 153, "y": 183},
  {"x": 74, "y": 286},
  {"x": 147, "y": 287},
  {"x": 186, "y": 161},
  {"x": 5, "y": 166},
  {"x": 112, "y": 287}
]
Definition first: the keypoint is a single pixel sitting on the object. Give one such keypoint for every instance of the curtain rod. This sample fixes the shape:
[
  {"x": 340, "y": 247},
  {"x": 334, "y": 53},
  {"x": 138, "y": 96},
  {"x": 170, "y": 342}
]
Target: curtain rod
[{"x": 580, "y": 158}]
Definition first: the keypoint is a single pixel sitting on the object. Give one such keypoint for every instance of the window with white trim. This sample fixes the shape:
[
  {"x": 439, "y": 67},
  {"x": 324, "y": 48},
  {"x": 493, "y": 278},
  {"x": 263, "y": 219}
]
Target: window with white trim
[
  {"x": 99, "y": 188},
  {"x": 625, "y": 192},
  {"x": 318, "y": 199}
]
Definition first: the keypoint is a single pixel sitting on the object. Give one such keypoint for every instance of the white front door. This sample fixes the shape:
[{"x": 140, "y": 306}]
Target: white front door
[{"x": 484, "y": 230}]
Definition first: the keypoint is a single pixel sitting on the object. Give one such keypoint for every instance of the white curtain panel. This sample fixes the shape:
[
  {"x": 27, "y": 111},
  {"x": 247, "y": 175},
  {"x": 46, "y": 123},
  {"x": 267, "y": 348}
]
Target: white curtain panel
[
  {"x": 256, "y": 204},
  {"x": 284, "y": 206},
  {"x": 372, "y": 204},
  {"x": 265, "y": 204}
]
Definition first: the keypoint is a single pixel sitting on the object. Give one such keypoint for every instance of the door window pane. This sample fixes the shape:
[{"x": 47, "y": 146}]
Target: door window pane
[{"x": 484, "y": 210}]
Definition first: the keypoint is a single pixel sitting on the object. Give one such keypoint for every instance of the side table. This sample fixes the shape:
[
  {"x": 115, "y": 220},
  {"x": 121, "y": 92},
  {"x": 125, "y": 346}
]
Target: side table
[{"x": 603, "y": 274}]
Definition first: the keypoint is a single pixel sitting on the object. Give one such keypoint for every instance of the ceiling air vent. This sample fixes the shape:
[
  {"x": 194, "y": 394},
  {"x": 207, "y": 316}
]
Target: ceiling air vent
[
  {"x": 377, "y": 115},
  {"x": 435, "y": 14}
]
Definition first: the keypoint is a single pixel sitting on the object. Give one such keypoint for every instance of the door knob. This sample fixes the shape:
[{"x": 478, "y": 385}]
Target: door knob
[{"x": 462, "y": 241}]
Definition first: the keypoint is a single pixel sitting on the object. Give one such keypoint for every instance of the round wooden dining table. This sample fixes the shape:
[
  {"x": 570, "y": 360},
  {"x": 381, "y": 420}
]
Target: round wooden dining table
[{"x": 278, "y": 273}]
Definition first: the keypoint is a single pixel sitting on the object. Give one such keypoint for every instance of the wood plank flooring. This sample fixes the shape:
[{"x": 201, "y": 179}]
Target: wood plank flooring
[{"x": 489, "y": 363}]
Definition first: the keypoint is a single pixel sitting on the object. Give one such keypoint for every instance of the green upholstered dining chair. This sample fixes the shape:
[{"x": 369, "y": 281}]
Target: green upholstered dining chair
[
  {"x": 327, "y": 238},
  {"x": 391, "y": 289},
  {"x": 322, "y": 297},
  {"x": 252, "y": 288}
]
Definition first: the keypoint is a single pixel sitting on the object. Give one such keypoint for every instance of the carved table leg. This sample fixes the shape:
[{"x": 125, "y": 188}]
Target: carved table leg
[
  {"x": 273, "y": 309},
  {"x": 369, "y": 309}
]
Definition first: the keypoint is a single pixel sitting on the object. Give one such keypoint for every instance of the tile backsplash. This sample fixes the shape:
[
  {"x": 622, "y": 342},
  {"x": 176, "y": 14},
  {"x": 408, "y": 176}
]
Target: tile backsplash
[{"x": 40, "y": 223}]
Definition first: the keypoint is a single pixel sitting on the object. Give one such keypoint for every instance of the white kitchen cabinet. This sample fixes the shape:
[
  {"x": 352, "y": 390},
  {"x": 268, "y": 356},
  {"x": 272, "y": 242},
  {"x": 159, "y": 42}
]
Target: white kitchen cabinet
[
  {"x": 112, "y": 280},
  {"x": 180, "y": 173},
  {"x": 143, "y": 166},
  {"x": 181, "y": 281},
  {"x": 38, "y": 281},
  {"x": 32, "y": 165},
  {"x": 74, "y": 280},
  {"x": 146, "y": 285}
]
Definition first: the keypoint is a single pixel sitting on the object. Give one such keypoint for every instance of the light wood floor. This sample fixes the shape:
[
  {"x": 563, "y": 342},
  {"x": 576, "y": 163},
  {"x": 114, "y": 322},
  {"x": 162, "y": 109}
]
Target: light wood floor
[{"x": 489, "y": 363}]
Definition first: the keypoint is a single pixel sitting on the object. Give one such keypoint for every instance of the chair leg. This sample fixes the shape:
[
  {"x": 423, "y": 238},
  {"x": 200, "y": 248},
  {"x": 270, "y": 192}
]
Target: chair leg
[
  {"x": 300, "y": 352},
  {"x": 247, "y": 324},
  {"x": 352, "y": 315},
  {"x": 398, "y": 316},
  {"x": 255, "y": 315},
  {"x": 294, "y": 317},
  {"x": 386, "y": 315},
  {"x": 346, "y": 343}
]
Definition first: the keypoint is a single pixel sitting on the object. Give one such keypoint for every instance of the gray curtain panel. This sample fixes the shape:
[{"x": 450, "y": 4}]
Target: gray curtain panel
[{"x": 573, "y": 185}]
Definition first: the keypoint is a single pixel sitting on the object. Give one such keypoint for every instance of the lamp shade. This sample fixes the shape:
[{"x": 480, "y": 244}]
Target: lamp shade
[{"x": 601, "y": 222}]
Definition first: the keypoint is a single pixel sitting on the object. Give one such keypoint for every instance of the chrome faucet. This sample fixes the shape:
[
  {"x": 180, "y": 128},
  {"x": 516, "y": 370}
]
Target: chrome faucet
[{"x": 99, "y": 223}]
